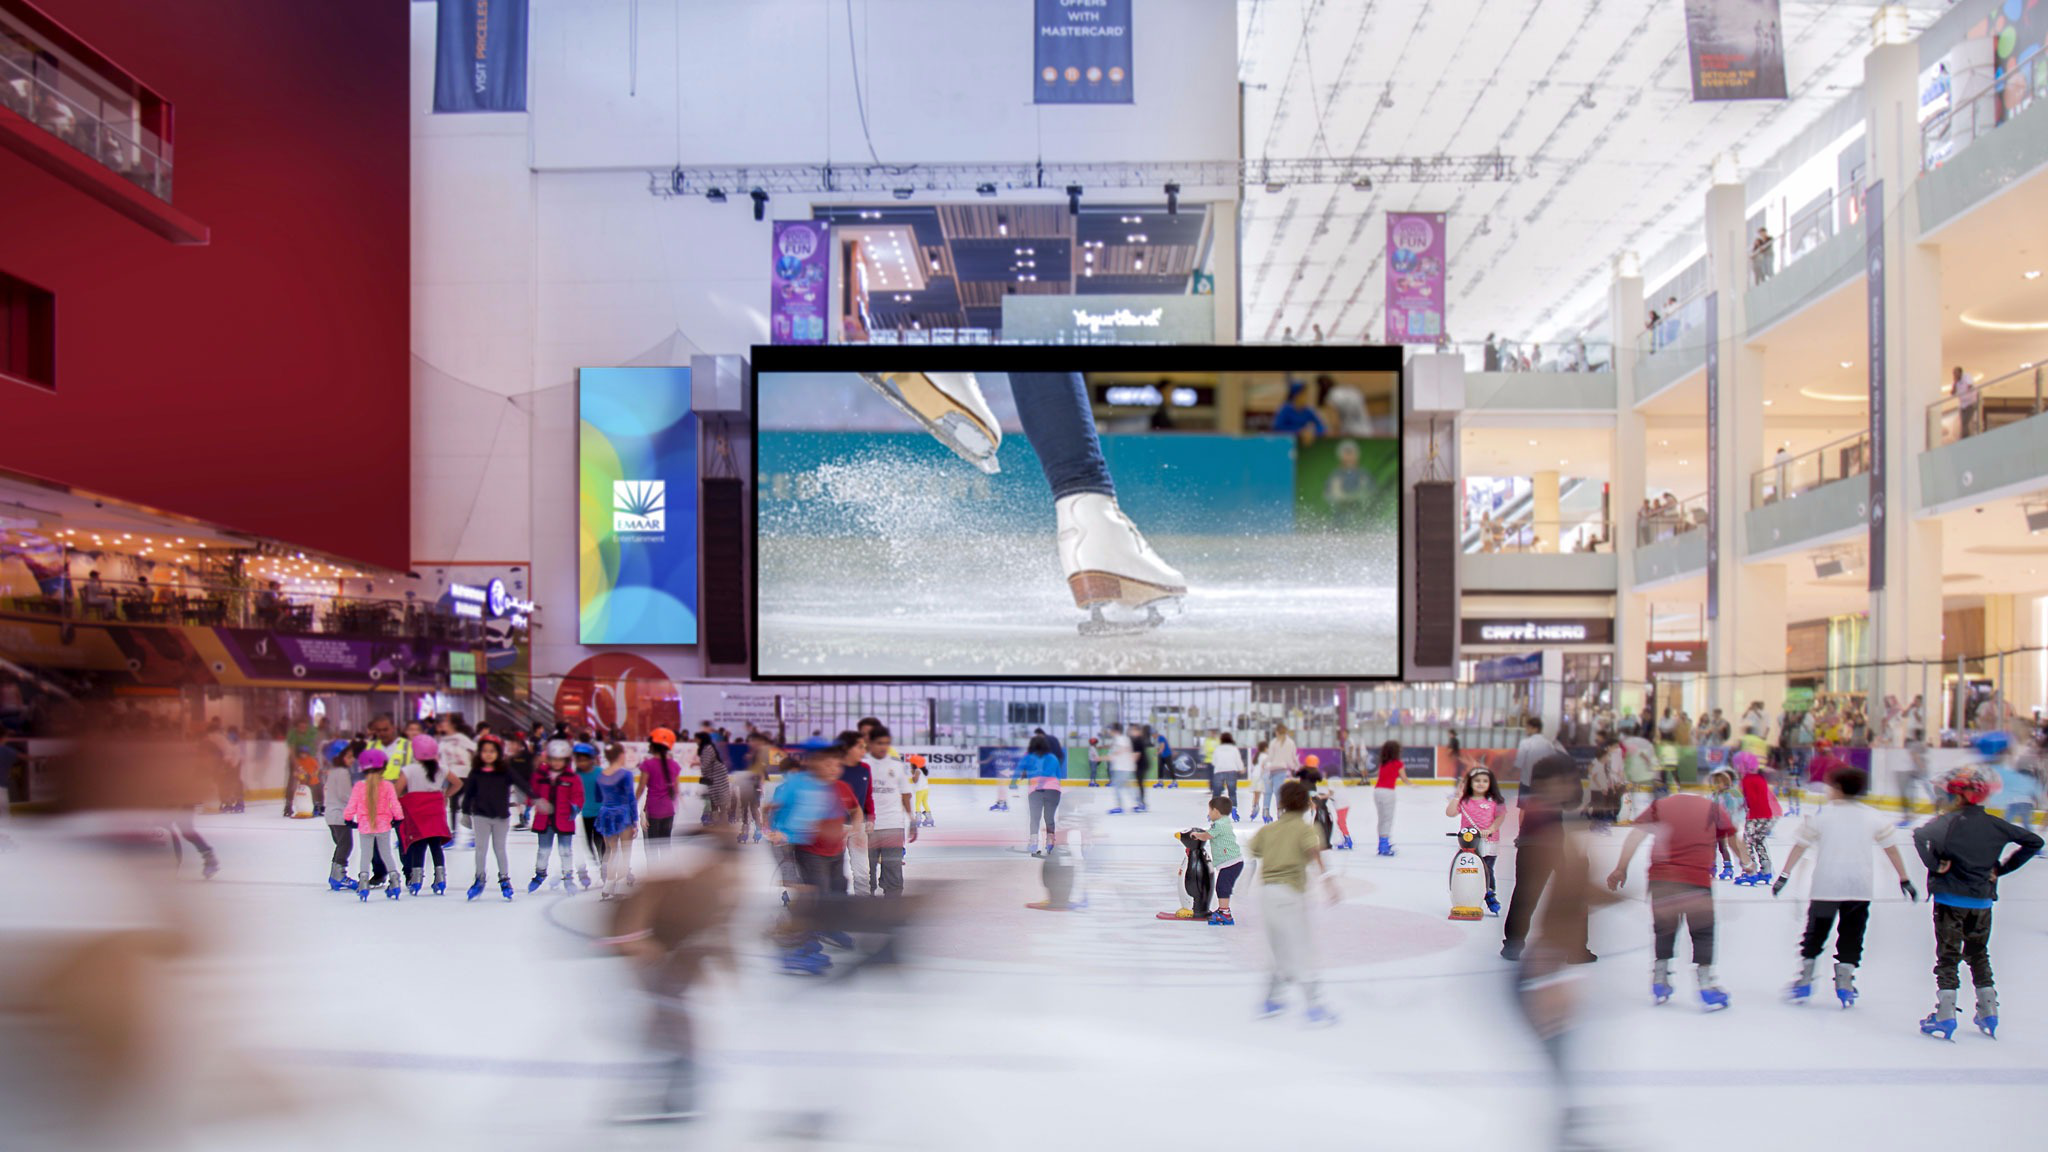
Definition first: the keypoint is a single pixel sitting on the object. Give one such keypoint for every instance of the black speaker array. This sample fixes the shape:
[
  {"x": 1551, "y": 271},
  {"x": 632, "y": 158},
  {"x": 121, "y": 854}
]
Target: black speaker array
[
  {"x": 725, "y": 571},
  {"x": 1436, "y": 574}
]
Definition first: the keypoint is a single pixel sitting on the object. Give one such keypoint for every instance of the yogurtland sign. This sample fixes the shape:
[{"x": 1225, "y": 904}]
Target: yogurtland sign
[{"x": 1131, "y": 319}]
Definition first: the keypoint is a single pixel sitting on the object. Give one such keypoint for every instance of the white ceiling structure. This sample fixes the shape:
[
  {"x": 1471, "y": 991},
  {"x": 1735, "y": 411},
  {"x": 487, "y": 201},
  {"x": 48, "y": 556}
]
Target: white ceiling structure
[{"x": 1591, "y": 98}]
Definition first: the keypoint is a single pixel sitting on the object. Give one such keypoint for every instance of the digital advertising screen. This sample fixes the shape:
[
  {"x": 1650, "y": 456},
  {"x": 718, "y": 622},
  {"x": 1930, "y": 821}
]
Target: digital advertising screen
[
  {"x": 636, "y": 506},
  {"x": 1077, "y": 512}
]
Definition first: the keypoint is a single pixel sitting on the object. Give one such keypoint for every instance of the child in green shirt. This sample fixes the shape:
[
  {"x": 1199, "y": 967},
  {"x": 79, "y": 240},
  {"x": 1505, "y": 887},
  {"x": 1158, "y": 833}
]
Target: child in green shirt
[
  {"x": 1286, "y": 848},
  {"x": 1226, "y": 860}
]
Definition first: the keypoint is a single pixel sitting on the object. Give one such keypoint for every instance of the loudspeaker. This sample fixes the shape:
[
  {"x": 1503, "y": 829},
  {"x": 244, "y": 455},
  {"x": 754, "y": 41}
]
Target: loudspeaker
[
  {"x": 1436, "y": 574},
  {"x": 724, "y": 613}
]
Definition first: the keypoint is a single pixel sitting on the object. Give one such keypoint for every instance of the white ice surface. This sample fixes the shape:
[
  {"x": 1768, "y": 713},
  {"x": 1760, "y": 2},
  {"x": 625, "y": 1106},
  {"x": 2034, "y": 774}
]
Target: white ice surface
[{"x": 435, "y": 1023}]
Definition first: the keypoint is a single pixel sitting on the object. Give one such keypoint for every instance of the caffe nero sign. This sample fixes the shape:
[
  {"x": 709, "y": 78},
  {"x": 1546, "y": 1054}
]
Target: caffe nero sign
[
  {"x": 1539, "y": 630},
  {"x": 1127, "y": 319}
]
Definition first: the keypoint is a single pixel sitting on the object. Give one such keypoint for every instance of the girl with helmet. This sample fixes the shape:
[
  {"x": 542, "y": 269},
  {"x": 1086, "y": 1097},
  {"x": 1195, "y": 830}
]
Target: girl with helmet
[
  {"x": 1964, "y": 849},
  {"x": 659, "y": 776},
  {"x": 557, "y": 794},
  {"x": 424, "y": 800},
  {"x": 335, "y": 782},
  {"x": 373, "y": 806}
]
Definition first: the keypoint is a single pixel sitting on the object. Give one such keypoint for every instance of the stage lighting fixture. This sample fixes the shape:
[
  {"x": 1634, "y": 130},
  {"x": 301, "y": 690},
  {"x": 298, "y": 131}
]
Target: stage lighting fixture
[
  {"x": 1173, "y": 199},
  {"x": 1073, "y": 199},
  {"x": 902, "y": 193},
  {"x": 715, "y": 195},
  {"x": 760, "y": 204},
  {"x": 985, "y": 189}
]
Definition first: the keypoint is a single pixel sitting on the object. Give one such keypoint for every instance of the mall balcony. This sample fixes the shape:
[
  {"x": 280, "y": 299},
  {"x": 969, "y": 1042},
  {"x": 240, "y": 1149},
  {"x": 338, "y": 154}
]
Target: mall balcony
[
  {"x": 206, "y": 604},
  {"x": 1506, "y": 378},
  {"x": 1812, "y": 498},
  {"x": 1676, "y": 350},
  {"x": 1996, "y": 447},
  {"x": 1538, "y": 556},
  {"x": 1822, "y": 253},
  {"x": 1671, "y": 542},
  {"x": 1988, "y": 139}
]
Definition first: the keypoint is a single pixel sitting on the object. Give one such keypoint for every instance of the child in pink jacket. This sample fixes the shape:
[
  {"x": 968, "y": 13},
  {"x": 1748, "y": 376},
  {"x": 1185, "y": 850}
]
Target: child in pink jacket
[{"x": 372, "y": 807}]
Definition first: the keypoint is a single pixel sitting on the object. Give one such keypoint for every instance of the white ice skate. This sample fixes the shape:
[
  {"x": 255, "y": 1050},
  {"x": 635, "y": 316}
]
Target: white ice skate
[
  {"x": 1107, "y": 562},
  {"x": 950, "y": 406}
]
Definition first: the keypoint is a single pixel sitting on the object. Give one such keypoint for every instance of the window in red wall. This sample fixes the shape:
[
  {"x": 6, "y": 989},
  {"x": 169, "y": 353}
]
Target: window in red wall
[{"x": 28, "y": 333}]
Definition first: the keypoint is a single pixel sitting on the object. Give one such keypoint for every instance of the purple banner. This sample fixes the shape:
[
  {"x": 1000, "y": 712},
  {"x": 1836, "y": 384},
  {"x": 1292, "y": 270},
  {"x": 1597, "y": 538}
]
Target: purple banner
[
  {"x": 800, "y": 293},
  {"x": 1713, "y": 338},
  {"x": 1873, "y": 251},
  {"x": 1415, "y": 277}
]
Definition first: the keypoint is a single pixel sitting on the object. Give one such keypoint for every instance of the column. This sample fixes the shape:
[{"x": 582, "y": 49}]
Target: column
[
  {"x": 1906, "y": 615},
  {"x": 1631, "y": 611},
  {"x": 1746, "y": 641},
  {"x": 1543, "y": 511},
  {"x": 1223, "y": 244}
]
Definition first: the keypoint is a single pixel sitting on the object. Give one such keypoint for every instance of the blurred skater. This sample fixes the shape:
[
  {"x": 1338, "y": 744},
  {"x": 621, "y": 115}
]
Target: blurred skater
[
  {"x": 1687, "y": 826},
  {"x": 1041, "y": 769},
  {"x": 618, "y": 819},
  {"x": 1226, "y": 768},
  {"x": 1286, "y": 852}
]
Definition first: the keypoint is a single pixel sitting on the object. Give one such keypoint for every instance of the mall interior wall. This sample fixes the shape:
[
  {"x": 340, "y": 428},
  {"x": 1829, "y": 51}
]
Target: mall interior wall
[
  {"x": 258, "y": 381},
  {"x": 538, "y": 248}
]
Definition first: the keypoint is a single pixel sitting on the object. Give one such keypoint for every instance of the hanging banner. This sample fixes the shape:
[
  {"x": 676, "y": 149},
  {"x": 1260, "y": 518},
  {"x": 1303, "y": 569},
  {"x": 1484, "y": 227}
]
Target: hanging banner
[
  {"x": 800, "y": 295},
  {"x": 1415, "y": 277},
  {"x": 1873, "y": 255},
  {"x": 1713, "y": 303},
  {"x": 637, "y": 506},
  {"x": 1738, "y": 49},
  {"x": 480, "y": 56},
  {"x": 1084, "y": 52}
]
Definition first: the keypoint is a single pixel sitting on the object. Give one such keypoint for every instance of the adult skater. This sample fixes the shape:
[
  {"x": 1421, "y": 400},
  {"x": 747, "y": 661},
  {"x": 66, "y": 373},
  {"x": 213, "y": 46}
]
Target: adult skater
[
  {"x": 486, "y": 800},
  {"x": 1105, "y": 558},
  {"x": 1539, "y": 847},
  {"x": 659, "y": 778},
  {"x": 889, "y": 787},
  {"x": 1687, "y": 826},
  {"x": 1226, "y": 767},
  {"x": 1964, "y": 850},
  {"x": 1840, "y": 833},
  {"x": 1043, "y": 772},
  {"x": 747, "y": 784},
  {"x": 1123, "y": 768},
  {"x": 1392, "y": 771},
  {"x": 1282, "y": 759}
]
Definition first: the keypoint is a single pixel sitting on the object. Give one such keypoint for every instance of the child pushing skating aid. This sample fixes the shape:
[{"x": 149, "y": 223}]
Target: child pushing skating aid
[{"x": 1197, "y": 881}]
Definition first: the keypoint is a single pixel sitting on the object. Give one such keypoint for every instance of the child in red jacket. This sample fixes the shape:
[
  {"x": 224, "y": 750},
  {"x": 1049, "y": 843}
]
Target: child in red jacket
[
  {"x": 372, "y": 807},
  {"x": 557, "y": 794},
  {"x": 1763, "y": 812}
]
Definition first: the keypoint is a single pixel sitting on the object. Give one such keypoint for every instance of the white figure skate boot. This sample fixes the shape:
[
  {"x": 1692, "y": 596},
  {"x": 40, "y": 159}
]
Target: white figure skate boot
[
  {"x": 950, "y": 407},
  {"x": 1108, "y": 562}
]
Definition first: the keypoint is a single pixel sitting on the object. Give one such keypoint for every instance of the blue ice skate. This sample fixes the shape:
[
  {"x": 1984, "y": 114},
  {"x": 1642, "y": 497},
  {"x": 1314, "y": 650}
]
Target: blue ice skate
[
  {"x": 476, "y": 889},
  {"x": 1986, "y": 1018}
]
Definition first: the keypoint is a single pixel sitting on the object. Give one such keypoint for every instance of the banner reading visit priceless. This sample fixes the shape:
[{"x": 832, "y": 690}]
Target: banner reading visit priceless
[
  {"x": 1738, "y": 49},
  {"x": 1415, "y": 277},
  {"x": 798, "y": 295},
  {"x": 480, "y": 56},
  {"x": 1084, "y": 52},
  {"x": 1873, "y": 255},
  {"x": 637, "y": 506}
]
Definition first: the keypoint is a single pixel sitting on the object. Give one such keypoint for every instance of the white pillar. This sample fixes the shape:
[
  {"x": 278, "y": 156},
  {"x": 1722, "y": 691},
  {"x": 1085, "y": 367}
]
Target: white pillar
[
  {"x": 1631, "y": 610},
  {"x": 1223, "y": 243},
  {"x": 1746, "y": 641}
]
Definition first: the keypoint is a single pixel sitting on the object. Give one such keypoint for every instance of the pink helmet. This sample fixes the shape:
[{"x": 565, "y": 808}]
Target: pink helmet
[
  {"x": 1747, "y": 762},
  {"x": 425, "y": 747}
]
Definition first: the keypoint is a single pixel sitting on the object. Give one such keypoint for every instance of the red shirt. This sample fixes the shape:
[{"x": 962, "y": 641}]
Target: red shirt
[
  {"x": 1687, "y": 827},
  {"x": 1756, "y": 796},
  {"x": 1390, "y": 775},
  {"x": 831, "y": 837}
]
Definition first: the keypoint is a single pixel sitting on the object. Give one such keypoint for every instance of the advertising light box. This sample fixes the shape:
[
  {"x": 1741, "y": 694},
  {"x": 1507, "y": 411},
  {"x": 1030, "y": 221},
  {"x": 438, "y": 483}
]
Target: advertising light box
[{"x": 637, "y": 506}]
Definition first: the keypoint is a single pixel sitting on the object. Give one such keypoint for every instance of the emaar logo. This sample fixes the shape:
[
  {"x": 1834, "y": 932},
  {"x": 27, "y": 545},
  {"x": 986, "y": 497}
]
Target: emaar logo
[{"x": 639, "y": 506}]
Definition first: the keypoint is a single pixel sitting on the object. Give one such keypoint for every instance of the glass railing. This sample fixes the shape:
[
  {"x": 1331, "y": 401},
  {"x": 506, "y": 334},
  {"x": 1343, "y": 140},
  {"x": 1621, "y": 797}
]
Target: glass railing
[
  {"x": 1540, "y": 536},
  {"x": 2008, "y": 399},
  {"x": 102, "y": 128},
  {"x": 207, "y": 605},
  {"x": 1970, "y": 105},
  {"x": 1508, "y": 356},
  {"x": 1787, "y": 476},
  {"x": 1669, "y": 322},
  {"x": 1668, "y": 518},
  {"x": 1811, "y": 226}
]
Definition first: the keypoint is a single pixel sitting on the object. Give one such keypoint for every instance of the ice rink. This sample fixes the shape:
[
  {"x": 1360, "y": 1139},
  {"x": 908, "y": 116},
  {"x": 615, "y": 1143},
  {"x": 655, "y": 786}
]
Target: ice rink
[
  {"x": 1256, "y": 606},
  {"x": 437, "y": 1023}
]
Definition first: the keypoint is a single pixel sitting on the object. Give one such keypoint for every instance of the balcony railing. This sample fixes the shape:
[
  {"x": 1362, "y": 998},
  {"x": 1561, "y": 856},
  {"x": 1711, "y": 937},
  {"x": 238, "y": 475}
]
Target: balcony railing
[
  {"x": 1508, "y": 356},
  {"x": 1664, "y": 520},
  {"x": 2008, "y": 399},
  {"x": 203, "y": 605},
  {"x": 1977, "y": 102},
  {"x": 1539, "y": 537},
  {"x": 1786, "y": 477},
  {"x": 1671, "y": 322},
  {"x": 103, "y": 128}
]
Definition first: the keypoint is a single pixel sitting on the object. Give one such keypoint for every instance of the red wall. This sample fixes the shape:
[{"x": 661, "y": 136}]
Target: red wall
[{"x": 260, "y": 382}]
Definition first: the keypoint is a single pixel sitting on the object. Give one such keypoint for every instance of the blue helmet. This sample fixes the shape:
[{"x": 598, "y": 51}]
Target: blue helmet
[
  {"x": 1992, "y": 745},
  {"x": 332, "y": 752},
  {"x": 584, "y": 749}
]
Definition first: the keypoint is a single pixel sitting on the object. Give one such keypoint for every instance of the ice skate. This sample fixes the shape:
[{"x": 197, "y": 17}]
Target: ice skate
[
  {"x": 951, "y": 408},
  {"x": 1345, "y": 845},
  {"x": 440, "y": 880},
  {"x": 1141, "y": 808},
  {"x": 1986, "y": 1017},
  {"x": 391, "y": 889},
  {"x": 1802, "y": 988},
  {"x": 1386, "y": 846},
  {"x": 211, "y": 866},
  {"x": 539, "y": 878},
  {"x": 413, "y": 880},
  {"x": 338, "y": 881},
  {"x": 1711, "y": 995},
  {"x": 1727, "y": 871},
  {"x": 1221, "y": 918},
  {"x": 1108, "y": 564},
  {"x": 1320, "y": 1016},
  {"x": 1492, "y": 904},
  {"x": 1660, "y": 979},
  {"x": 582, "y": 877},
  {"x": 363, "y": 888},
  {"x": 476, "y": 888},
  {"x": 505, "y": 887},
  {"x": 1942, "y": 1021},
  {"x": 1270, "y": 1009},
  {"x": 1845, "y": 984}
]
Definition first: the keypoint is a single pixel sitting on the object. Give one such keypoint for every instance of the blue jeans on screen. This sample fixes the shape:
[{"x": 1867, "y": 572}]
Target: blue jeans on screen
[{"x": 1060, "y": 423}]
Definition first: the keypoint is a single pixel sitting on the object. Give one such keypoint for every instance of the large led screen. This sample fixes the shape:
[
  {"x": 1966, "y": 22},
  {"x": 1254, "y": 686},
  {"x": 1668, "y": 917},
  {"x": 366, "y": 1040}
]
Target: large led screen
[
  {"x": 637, "y": 506},
  {"x": 1169, "y": 512}
]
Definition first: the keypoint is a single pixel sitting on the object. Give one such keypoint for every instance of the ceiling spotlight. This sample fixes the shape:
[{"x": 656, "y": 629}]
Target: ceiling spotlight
[
  {"x": 985, "y": 189},
  {"x": 1362, "y": 183},
  {"x": 1002, "y": 224},
  {"x": 1532, "y": 443},
  {"x": 1848, "y": 363},
  {"x": 2032, "y": 273},
  {"x": 1073, "y": 199},
  {"x": 1276, "y": 186},
  {"x": 1138, "y": 262},
  {"x": 935, "y": 263},
  {"x": 760, "y": 204},
  {"x": 1767, "y": 403},
  {"x": 715, "y": 195},
  {"x": 903, "y": 193},
  {"x": 1173, "y": 201}
]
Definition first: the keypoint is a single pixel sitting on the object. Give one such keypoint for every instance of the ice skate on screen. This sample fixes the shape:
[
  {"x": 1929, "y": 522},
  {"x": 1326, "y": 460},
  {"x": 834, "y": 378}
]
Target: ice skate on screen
[{"x": 1031, "y": 512}]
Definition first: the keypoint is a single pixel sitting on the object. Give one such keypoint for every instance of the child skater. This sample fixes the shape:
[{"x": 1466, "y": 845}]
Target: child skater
[
  {"x": 1840, "y": 834},
  {"x": 587, "y": 769},
  {"x": 1226, "y": 859},
  {"x": 1964, "y": 850},
  {"x": 557, "y": 793},
  {"x": 1686, "y": 825},
  {"x": 1287, "y": 849},
  {"x": 1722, "y": 781},
  {"x": 923, "y": 791},
  {"x": 336, "y": 781},
  {"x": 1479, "y": 805},
  {"x": 660, "y": 778},
  {"x": 425, "y": 804},
  {"x": 1392, "y": 771},
  {"x": 618, "y": 818},
  {"x": 487, "y": 800},
  {"x": 1761, "y": 811},
  {"x": 372, "y": 806}
]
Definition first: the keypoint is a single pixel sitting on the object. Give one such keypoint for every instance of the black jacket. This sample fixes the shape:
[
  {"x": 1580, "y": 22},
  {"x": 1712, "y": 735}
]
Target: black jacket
[
  {"x": 487, "y": 794},
  {"x": 1972, "y": 841}
]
